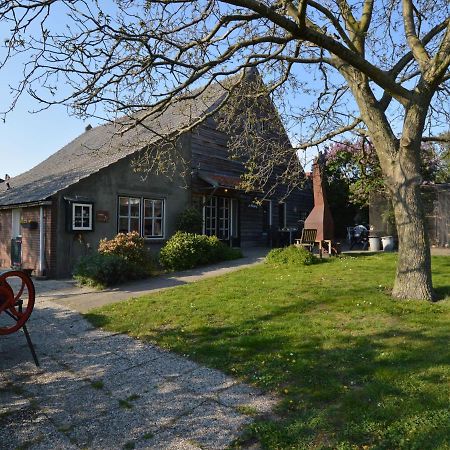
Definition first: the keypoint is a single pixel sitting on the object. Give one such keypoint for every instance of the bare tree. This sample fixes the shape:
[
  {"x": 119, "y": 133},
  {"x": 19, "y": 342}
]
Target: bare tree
[{"x": 331, "y": 66}]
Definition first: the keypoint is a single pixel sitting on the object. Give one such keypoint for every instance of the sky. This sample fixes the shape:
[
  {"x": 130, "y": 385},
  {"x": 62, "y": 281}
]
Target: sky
[{"x": 27, "y": 139}]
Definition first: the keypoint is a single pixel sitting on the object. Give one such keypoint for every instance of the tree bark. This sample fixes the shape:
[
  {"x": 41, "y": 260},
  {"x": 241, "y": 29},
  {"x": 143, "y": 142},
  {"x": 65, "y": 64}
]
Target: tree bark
[{"x": 413, "y": 277}]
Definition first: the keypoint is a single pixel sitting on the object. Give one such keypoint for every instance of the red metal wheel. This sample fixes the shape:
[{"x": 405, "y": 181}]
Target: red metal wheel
[{"x": 17, "y": 297}]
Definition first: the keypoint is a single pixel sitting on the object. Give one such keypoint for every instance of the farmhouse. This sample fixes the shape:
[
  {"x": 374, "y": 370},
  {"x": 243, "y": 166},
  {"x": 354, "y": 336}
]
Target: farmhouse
[{"x": 58, "y": 211}]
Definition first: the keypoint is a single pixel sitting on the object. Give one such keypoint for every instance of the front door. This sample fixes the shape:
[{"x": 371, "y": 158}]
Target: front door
[
  {"x": 16, "y": 215},
  {"x": 16, "y": 238},
  {"x": 221, "y": 219}
]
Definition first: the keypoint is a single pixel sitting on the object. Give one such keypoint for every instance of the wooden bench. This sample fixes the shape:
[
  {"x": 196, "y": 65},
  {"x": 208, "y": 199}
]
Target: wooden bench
[{"x": 307, "y": 239}]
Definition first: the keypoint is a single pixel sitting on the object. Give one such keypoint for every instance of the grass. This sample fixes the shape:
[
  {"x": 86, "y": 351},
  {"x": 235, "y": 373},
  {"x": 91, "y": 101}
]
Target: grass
[{"x": 352, "y": 367}]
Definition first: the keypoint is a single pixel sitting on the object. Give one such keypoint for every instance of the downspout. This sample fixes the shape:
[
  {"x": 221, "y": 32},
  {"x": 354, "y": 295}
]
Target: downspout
[{"x": 41, "y": 242}]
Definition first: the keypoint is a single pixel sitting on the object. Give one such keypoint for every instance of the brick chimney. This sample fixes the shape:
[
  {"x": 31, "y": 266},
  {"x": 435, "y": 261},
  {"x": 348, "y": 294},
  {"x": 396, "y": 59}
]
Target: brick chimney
[{"x": 320, "y": 217}]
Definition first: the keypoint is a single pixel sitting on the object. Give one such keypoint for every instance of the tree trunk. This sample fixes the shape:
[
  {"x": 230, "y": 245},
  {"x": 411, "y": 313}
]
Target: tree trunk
[
  {"x": 413, "y": 277},
  {"x": 400, "y": 163}
]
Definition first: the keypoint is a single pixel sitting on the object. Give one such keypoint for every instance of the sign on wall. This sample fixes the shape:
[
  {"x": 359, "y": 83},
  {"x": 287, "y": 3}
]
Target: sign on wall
[{"x": 102, "y": 216}]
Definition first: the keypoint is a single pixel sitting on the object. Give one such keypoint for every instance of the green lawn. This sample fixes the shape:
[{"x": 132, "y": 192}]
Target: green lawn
[{"x": 354, "y": 368}]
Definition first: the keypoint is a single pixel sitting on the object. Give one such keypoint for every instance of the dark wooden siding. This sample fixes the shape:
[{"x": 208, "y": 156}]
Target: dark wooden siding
[
  {"x": 209, "y": 150},
  {"x": 210, "y": 154}
]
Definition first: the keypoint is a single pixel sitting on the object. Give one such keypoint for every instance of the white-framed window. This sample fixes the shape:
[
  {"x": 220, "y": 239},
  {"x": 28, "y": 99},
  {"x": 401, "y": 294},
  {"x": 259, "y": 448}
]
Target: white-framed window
[
  {"x": 210, "y": 216},
  {"x": 224, "y": 218},
  {"x": 153, "y": 223},
  {"x": 218, "y": 215},
  {"x": 129, "y": 214},
  {"x": 82, "y": 217},
  {"x": 143, "y": 215}
]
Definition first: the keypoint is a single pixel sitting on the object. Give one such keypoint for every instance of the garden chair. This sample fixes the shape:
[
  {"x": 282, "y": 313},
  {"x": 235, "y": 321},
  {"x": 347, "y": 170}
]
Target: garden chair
[{"x": 307, "y": 239}]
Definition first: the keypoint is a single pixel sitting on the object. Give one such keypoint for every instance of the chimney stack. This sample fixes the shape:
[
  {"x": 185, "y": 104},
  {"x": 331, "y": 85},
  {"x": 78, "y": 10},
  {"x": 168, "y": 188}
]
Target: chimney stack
[{"x": 320, "y": 217}]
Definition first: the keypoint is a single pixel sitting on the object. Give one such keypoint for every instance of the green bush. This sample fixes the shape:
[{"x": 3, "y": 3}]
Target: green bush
[
  {"x": 291, "y": 255},
  {"x": 190, "y": 221},
  {"x": 120, "y": 259},
  {"x": 187, "y": 250},
  {"x": 101, "y": 270}
]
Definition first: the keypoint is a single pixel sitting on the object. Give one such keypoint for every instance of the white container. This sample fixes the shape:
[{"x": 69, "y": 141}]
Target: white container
[
  {"x": 388, "y": 243},
  {"x": 374, "y": 244}
]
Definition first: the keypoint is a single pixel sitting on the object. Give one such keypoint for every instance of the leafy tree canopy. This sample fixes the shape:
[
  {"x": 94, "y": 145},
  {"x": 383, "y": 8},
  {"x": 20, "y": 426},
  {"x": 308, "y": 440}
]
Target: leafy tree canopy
[{"x": 356, "y": 165}]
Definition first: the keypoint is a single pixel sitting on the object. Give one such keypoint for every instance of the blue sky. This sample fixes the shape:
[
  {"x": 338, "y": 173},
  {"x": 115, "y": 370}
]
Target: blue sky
[{"x": 27, "y": 139}]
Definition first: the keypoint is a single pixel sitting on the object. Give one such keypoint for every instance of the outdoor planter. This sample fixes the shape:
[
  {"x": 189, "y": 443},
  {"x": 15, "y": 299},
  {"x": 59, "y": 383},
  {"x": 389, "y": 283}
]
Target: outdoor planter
[
  {"x": 374, "y": 243},
  {"x": 29, "y": 225},
  {"x": 388, "y": 243}
]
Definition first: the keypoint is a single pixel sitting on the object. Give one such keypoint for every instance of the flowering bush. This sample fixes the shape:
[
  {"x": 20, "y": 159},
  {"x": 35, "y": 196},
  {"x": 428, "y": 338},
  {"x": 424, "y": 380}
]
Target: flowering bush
[
  {"x": 357, "y": 164},
  {"x": 187, "y": 250},
  {"x": 130, "y": 247},
  {"x": 120, "y": 259}
]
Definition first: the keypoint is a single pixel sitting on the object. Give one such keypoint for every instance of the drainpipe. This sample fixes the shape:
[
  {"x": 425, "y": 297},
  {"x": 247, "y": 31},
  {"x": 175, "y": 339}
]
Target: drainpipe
[{"x": 41, "y": 242}]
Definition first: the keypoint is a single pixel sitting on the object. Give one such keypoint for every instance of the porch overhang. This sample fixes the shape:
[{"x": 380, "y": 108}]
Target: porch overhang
[{"x": 220, "y": 181}]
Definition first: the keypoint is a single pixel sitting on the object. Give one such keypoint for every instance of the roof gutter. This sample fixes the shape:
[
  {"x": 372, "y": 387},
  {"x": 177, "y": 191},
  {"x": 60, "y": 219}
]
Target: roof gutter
[{"x": 26, "y": 205}]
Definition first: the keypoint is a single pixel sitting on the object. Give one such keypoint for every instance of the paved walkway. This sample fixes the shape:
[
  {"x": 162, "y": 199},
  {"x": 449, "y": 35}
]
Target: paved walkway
[{"x": 101, "y": 390}]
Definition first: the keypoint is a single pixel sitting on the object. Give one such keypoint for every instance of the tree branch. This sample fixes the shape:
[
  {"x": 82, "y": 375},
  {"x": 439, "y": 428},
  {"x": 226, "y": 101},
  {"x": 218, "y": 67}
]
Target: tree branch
[{"x": 416, "y": 46}]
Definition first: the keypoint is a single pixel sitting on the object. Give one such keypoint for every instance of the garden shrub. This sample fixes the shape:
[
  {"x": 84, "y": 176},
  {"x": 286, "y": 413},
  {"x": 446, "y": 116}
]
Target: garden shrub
[
  {"x": 291, "y": 255},
  {"x": 187, "y": 250},
  {"x": 131, "y": 248},
  {"x": 190, "y": 221},
  {"x": 120, "y": 259},
  {"x": 100, "y": 270}
]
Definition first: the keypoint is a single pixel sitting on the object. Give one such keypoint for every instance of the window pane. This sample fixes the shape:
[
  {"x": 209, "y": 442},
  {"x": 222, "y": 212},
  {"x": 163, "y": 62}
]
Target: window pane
[
  {"x": 158, "y": 208},
  {"x": 134, "y": 224},
  {"x": 148, "y": 208},
  {"x": 123, "y": 206},
  {"x": 86, "y": 217},
  {"x": 148, "y": 227},
  {"x": 77, "y": 211},
  {"x": 82, "y": 217},
  {"x": 158, "y": 227},
  {"x": 123, "y": 225},
  {"x": 134, "y": 207}
]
